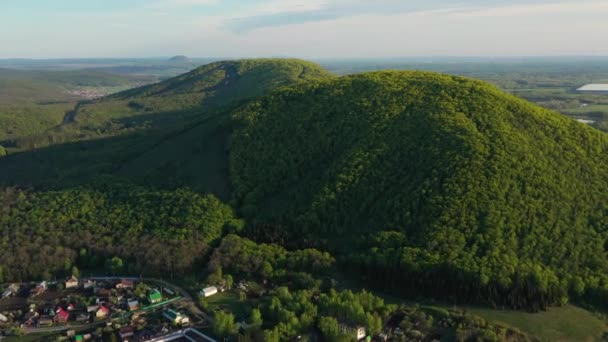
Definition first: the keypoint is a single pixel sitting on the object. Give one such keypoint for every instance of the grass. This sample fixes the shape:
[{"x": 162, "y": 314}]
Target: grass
[
  {"x": 230, "y": 301},
  {"x": 567, "y": 323}
]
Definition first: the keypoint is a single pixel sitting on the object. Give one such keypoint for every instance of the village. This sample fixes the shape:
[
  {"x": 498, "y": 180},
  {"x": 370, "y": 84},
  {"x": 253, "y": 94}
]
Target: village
[{"x": 94, "y": 309}]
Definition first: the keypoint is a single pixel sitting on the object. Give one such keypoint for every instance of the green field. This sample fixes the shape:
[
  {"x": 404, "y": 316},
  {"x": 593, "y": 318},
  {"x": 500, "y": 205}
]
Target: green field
[
  {"x": 230, "y": 301},
  {"x": 567, "y": 323}
]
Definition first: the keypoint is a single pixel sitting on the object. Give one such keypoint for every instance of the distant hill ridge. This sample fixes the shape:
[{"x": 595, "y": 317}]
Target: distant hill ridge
[{"x": 180, "y": 60}]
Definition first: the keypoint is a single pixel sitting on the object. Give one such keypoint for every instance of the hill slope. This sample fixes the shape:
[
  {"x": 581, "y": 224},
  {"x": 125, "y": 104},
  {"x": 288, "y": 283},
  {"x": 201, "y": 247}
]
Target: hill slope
[
  {"x": 454, "y": 188},
  {"x": 173, "y": 133}
]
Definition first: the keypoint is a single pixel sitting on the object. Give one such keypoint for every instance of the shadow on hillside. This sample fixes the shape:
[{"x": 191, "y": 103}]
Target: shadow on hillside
[{"x": 190, "y": 155}]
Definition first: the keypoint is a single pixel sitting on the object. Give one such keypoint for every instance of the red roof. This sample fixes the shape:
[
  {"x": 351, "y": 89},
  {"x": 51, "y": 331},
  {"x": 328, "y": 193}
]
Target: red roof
[
  {"x": 104, "y": 309},
  {"x": 61, "y": 313}
]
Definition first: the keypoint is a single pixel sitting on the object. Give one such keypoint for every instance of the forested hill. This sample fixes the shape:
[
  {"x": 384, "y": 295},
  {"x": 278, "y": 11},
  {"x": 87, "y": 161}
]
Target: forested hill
[
  {"x": 240, "y": 78},
  {"x": 454, "y": 187}
]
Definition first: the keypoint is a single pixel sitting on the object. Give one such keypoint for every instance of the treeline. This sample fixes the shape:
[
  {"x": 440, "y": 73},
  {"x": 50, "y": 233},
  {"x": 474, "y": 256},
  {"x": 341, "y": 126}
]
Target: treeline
[
  {"x": 44, "y": 233},
  {"x": 245, "y": 259},
  {"x": 491, "y": 196},
  {"x": 293, "y": 309}
]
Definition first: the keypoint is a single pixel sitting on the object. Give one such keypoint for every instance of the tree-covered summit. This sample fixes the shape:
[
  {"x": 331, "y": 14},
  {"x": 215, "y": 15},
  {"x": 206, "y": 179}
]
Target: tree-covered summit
[
  {"x": 437, "y": 178},
  {"x": 236, "y": 79}
]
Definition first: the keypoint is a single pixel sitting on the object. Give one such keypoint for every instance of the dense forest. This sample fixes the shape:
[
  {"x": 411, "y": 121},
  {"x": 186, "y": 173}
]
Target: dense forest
[
  {"x": 46, "y": 233},
  {"x": 487, "y": 197}
]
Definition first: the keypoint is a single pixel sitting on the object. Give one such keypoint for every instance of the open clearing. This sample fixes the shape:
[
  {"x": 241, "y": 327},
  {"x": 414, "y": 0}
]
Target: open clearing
[{"x": 567, "y": 323}]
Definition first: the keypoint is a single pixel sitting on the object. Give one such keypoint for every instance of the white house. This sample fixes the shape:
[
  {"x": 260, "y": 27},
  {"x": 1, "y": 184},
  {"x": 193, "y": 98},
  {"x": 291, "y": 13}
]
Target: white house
[
  {"x": 71, "y": 282},
  {"x": 176, "y": 317},
  {"x": 209, "y": 291},
  {"x": 3, "y": 318},
  {"x": 358, "y": 332}
]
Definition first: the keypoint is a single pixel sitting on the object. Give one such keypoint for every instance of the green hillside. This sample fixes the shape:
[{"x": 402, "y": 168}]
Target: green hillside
[
  {"x": 34, "y": 102},
  {"x": 210, "y": 86},
  {"x": 171, "y": 134},
  {"x": 430, "y": 184}
]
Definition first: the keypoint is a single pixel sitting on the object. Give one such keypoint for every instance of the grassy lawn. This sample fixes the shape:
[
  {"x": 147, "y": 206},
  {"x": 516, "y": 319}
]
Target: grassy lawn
[
  {"x": 230, "y": 301},
  {"x": 568, "y": 323}
]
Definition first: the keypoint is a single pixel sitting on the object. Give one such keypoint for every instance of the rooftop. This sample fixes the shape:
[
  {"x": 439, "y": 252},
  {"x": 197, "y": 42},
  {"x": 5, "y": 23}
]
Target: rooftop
[{"x": 594, "y": 87}]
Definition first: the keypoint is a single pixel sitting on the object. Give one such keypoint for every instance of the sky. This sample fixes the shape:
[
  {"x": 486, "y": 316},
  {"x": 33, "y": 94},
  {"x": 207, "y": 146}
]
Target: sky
[{"x": 302, "y": 28}]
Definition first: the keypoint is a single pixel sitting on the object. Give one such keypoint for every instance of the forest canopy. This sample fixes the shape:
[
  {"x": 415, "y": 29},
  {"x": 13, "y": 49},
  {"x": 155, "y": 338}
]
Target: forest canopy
[{"x": 488, "y": 196}]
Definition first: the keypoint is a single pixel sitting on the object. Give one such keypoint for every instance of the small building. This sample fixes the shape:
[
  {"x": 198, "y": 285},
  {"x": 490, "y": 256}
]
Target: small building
[
  {"x": 169, "y": 291},
  {"x": 176, "y": 317},
  {"x": 104, "y": 292},
  {"x": 125, "y": 284},
  {"x": 356, "y": 332},
  {"x": 92, "y": 308},
  {"x": 81, "y": 317},
  {"x": 209, "y": 291},
  {"x": 71, "y": 282},
  {"x": 88, "y": 284},
  {"x": 12, "y": 290},
  {"x": 61, "y": 315},
  {"x": 155, "y": 297},
  {"x": 126, "y": 333},
  {"x": 39, "y": 289},
  {"x": 3, "y": 318},
  {"x": 102, "y": 312},
  {"x": 133, "y": 305}
]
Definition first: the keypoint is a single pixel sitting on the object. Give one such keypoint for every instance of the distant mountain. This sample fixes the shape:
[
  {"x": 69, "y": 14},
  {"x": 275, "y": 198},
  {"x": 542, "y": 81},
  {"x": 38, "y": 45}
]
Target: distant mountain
[
  {"x": 430, "y": 184},
  {"x": 180, "y": 60}
]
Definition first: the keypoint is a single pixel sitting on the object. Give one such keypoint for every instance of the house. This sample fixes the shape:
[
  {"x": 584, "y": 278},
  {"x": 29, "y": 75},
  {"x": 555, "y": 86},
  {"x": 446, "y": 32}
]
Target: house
[
  {"x": 71, "y": 282},
  {"x": 133, "y": 305},
  {"x": 92, "y": 308},
  {"x": 82, "y": 317},
  {"x": 3, "y": 318},
  {"x": 30, "y": 318},
  {"x": 39, "y": 289},
  {"x": 88, "y": 284},
  {"x": 126, "y": 333},
  {"x": 105, "y": 292},
  {"x": 169, "y": 291},
  {"x": 208, "y": 291},
  {"x": 125, "y": 284},
  {"x": 357, "y": 332},
  {"x": 13, "y": 289},
  {"x": 155, "y": 297},
  {"x": 61, "y": 315},
  {"x": 71, "y": 307},
  {"x": 102, "y": 312},
  {"x": 176, "y": 317}
]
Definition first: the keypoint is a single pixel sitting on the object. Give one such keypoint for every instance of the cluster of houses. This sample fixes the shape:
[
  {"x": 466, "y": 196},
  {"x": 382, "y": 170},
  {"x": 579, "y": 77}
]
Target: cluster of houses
[{"x": 79, "y": 301}]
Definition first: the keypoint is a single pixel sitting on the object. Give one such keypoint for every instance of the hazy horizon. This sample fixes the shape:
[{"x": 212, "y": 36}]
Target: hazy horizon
[{"x": 333, "y": 29}]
